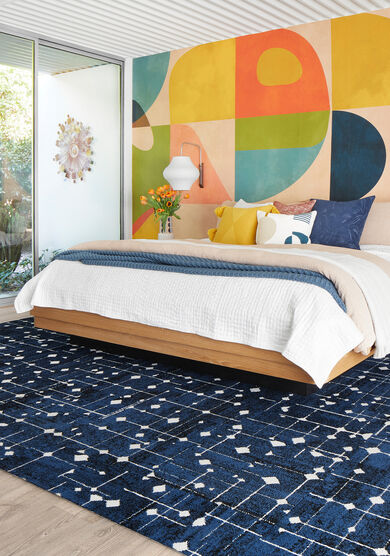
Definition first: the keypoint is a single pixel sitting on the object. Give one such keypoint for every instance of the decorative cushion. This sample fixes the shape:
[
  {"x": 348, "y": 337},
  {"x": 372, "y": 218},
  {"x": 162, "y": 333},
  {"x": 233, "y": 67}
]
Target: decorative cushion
[
  {"x": 284, "y": 228},
  {"x": 228, "y": 203},
  {"x": 295, "y": 208},
  {"x": 341, "y": 223},
  {"x": 243, "y": 204},
  {"x": 377, "y": 227},
  {"x": 237, "y": 225}
]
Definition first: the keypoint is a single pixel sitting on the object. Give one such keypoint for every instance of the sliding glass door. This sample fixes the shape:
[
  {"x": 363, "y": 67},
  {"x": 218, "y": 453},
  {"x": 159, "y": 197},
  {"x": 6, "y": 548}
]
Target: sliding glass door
[
  {"x": 16, "y": 162},
  {"x": 60, "y": 154},
  {"x": 79, "y": 146}
]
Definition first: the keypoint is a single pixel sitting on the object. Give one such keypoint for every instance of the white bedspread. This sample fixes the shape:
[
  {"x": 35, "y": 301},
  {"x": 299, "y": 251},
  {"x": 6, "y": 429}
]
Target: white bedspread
[{"x": 299, "y": 320}]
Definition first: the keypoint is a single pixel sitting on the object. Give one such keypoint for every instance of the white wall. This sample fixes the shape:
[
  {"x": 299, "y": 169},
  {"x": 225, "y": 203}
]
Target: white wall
[{"x": 68, "y": 212}]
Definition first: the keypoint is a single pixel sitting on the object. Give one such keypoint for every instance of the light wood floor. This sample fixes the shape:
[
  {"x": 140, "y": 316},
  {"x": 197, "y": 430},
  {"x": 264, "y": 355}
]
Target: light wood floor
[
  {"x": 34, "y": 522},
  {"x": 7, "y": 312}
]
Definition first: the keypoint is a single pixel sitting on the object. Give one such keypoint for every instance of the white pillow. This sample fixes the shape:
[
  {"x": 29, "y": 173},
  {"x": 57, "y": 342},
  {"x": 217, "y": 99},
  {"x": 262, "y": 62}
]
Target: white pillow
[
  {"x": 244, "y": 205},
  {"x": 284, "y": 228}
]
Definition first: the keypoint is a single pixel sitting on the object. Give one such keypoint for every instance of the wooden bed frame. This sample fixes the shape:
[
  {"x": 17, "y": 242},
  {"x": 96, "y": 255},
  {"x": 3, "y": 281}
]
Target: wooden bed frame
[{"x": 181, "y": 344}]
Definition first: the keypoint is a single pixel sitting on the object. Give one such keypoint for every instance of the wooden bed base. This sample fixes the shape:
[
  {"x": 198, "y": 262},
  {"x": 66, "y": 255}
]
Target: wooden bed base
[{"x": 181, "y": 344}]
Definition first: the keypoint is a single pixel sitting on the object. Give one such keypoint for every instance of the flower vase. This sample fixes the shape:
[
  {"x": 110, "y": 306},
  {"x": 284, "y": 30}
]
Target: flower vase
[{"x": 167, "y": 233}]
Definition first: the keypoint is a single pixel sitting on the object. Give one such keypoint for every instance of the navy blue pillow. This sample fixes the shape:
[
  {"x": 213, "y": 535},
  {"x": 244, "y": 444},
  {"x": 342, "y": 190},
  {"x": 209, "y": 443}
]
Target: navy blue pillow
[{"x": 340, "y": 223}]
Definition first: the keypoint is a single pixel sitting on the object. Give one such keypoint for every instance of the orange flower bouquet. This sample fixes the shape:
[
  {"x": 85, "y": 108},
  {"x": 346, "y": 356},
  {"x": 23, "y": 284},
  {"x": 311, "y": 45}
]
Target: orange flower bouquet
[{"x": 165, "y": 203}]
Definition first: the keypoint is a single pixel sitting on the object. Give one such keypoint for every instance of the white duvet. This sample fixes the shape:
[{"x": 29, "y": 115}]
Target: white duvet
[{"x": 299, "y": 320}]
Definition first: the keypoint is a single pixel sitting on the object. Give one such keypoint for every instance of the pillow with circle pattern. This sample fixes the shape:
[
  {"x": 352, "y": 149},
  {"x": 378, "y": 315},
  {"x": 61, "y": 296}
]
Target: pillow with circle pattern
[{"x": 284, "y": 228}]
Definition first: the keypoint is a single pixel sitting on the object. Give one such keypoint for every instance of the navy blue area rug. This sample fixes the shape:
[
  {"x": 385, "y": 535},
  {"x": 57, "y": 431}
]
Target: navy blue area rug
[{"x": 204, "y": 464}]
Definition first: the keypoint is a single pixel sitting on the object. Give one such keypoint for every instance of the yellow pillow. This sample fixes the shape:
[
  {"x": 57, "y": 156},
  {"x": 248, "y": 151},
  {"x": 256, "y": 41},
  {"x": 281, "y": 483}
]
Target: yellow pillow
[{"x": 237, "y": 225}]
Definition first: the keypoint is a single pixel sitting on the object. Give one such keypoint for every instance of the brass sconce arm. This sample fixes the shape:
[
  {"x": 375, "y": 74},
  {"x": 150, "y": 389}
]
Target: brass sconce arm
[{"x": 200, "y": 160}]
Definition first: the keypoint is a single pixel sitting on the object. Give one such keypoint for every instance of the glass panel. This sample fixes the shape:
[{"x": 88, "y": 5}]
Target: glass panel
[
  {"x": 16, "y": 134},
  {"x": 78, "y": 150}
]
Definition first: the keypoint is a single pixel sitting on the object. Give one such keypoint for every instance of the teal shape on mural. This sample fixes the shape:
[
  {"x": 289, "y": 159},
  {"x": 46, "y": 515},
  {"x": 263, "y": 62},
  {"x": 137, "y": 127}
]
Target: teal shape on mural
[
  {"x": 149, "y": 74},
  {"x": 261, "y": 174}
]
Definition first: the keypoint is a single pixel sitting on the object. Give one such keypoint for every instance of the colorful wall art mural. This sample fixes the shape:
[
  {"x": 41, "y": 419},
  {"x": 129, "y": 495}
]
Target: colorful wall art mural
[{"x": 287, "y": 114}]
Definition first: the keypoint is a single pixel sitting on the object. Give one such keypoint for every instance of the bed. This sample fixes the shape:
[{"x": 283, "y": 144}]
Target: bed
[{"x": 151, "y": 295}]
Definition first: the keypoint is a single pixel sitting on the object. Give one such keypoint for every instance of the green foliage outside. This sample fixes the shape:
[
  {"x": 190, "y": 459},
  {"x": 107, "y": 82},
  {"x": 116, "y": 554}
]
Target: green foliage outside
[
  {"x": 13, "y": 275},
  {"x": 13, "y": 220},
  {"x": 16, "y": 127}
]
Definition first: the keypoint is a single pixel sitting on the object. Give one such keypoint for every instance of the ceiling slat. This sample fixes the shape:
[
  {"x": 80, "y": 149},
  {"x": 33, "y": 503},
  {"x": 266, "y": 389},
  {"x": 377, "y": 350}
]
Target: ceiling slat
[
  {"x": 35, "y": 23},
  {"x": 174, "y": 13},
  {"x": 79, "y": 23},
  {"x": 131, "y": 28},
  {"x": 275, "y": 17},
  {"x": 154, "y": 28}
]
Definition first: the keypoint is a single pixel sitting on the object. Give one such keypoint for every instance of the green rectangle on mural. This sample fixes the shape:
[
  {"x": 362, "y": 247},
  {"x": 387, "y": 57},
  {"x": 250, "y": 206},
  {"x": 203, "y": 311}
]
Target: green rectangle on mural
[
  {"x": 285, "y": 131},
  {"x": 148, "y": 166}
]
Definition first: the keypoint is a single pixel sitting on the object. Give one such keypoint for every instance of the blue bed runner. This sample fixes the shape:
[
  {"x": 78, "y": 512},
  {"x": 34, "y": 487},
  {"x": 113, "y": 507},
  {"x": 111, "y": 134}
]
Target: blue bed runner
[{"x": 199, "y": 265}]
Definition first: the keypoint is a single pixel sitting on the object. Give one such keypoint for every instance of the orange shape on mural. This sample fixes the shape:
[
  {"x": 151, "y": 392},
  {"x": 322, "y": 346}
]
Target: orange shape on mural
[
  {"x": 146, "y": 226},
  {"x": 213, "y": 191},
  {"x": 307, "y": 94}
]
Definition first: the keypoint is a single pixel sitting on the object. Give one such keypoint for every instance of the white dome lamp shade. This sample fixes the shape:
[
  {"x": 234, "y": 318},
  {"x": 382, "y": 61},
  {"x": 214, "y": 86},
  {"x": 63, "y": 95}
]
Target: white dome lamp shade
[{"x": 181, "y": 172}]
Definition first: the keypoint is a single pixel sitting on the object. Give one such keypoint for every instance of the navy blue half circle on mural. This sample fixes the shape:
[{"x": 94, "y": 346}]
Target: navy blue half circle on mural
[
  {"x": 138, "y": 112},
  {"x": 358, "y": 156}
]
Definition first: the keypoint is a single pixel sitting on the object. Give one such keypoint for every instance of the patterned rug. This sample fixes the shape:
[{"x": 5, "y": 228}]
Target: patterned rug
[{"x": 204, "y": 464}]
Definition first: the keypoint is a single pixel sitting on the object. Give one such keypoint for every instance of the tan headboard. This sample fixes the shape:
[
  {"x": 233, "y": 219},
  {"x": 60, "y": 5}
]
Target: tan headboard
[{"x": 196, "y": 220}]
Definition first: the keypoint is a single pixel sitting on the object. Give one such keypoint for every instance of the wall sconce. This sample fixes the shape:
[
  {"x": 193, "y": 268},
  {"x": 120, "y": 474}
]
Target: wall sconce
[{"x": 181, "y": 172}]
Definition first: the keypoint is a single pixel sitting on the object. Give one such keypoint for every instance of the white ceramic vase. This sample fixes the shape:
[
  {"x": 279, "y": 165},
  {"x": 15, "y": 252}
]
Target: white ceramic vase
[{"x": 168, "y": 234}]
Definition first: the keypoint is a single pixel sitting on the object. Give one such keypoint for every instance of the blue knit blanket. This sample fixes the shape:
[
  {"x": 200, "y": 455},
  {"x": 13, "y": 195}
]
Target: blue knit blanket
[{"x": 198, "y": 265}]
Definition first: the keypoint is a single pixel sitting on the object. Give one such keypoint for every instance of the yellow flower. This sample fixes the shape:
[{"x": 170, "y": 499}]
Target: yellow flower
[
  {"x": 160, "y": 190},
  {"x": 142, "y": 198},
  {"x": 158, "y": 199},
  {"x": 151, "y": 192},
  {"x": 167, "y": 187},
  {"x": 160, "y": 210},
  {"x": 169, "y": 204}
]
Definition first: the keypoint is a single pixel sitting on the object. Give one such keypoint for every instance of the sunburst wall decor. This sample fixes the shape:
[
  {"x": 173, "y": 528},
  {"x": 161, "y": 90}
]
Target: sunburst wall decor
[{"x": 74, "y": 145}]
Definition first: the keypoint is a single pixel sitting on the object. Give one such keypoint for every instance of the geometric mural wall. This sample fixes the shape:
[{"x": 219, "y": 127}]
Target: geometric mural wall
[{"x": 287, "y": 114}]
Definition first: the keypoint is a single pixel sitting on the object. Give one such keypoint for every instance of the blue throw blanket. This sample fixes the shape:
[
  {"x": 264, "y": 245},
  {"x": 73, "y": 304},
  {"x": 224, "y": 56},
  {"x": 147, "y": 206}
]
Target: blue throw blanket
[{"x": 198, "y": 265}]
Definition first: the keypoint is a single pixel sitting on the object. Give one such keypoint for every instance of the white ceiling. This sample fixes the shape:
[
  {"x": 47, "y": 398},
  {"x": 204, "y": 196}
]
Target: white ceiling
[{"x": 130, "y": 28}]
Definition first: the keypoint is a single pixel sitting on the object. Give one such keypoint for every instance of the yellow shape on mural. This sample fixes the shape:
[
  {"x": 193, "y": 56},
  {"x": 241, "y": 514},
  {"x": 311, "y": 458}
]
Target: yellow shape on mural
[
  {"x": 202, "y": 84},
  {"x": 278, "y": 66},
  {"x": 148, "y": 230},
  {"x": 360, "y": 61}
]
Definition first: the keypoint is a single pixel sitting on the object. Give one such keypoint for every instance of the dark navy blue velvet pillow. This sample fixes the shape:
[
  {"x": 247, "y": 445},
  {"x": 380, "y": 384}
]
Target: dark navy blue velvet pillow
[{"x": 340, "y": 223}]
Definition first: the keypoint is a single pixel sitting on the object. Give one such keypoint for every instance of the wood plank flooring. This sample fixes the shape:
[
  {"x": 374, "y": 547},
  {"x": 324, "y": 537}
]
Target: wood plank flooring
[
  {"x": 34, "y": 522},
  {"x": 7, "y": 312}
]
